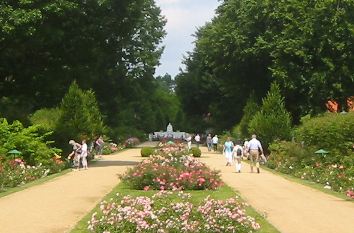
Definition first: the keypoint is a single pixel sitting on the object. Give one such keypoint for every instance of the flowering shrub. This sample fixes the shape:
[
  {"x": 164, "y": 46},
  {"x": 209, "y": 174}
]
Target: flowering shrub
[
  {"x": 350, "y": 193},
  {"x": 109, "y": 148},
  {"x": 171, "y": 173},
  {"x": 173, "y": 148},
  {"x": 130, "y": 142},
  {"x": 334, "y": 171},
  {"x": 160, "y": 214},
  {"x": 15, "y": 172}
]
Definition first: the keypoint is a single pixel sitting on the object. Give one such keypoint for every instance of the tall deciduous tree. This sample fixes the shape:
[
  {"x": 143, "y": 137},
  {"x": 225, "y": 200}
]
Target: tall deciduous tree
[
  {"x": 109, "y": 46},
  {"x": 306, "y": 46}
]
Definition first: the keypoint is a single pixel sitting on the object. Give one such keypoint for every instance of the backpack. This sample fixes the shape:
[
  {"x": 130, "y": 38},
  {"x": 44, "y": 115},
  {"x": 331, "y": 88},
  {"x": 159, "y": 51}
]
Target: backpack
[{"x": 239, "y": 152}]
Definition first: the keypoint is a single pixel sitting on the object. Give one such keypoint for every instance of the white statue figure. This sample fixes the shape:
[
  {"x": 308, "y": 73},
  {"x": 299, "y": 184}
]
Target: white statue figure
[{"x": 169, "y": 128}]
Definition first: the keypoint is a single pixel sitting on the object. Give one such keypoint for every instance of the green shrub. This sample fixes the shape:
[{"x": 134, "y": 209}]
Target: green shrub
[
  {"x": 249, "y": 111},
  {"x": 272, "y": 122},
  {"x": 80, "y": 116},
  {"x": 146, "y": 151},
  {"x": 32, "y": 144},
  {"x": 47, "y": 118},
  {"x": 332, "y": 132},
  {"x": 334, "y": 171},
  {"x": 196, "y": 152}
]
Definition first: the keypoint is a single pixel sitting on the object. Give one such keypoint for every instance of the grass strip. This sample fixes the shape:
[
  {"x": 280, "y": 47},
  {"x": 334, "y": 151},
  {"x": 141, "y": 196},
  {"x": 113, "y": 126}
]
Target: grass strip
[{"x": 222, "y": 193}]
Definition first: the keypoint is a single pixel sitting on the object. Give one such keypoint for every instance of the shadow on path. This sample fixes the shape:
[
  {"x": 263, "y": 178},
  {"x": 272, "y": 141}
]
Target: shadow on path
[{"x": 109, "y": 163}]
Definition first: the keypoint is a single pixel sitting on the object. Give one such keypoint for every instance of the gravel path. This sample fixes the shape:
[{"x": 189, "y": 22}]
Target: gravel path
[
  {"x": 289, "y": 206},
  {"x": 57, "y": 205}
]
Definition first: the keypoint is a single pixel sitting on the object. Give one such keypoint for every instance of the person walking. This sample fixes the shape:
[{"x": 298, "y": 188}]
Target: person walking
[
  {"x": 84, "y": 154},
  {"x": 245, "y": 149},
  {"x": 75, "y": 154},
  {"x": 237, "y": 153},
  {"x": 254, "y": 147},
  {"x": 197, "y": 140},
  {"x": 209, "y": 142},
  {"x": 215, "y": 141},
  {"x": 99, "y": 146},
  {"x": 228, "y": 148},
  {"x": 189, "y": 142}
]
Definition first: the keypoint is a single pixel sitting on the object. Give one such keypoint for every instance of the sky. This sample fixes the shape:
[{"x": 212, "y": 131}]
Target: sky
[{"x": 183, "y": 19}]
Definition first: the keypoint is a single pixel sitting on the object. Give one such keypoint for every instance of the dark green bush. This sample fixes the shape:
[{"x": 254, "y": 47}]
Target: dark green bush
[
  {"x": 146, "y": 151},
  {"x": 332, "y": 132},
  {"x": 80, "y": 116},
  {"x": 272, "y": 122},
  {"x": 196, "y": 152}
]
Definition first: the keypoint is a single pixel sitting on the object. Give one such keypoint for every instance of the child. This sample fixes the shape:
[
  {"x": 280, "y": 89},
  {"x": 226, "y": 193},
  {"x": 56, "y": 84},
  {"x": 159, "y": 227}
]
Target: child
[{"x": 237, "y": 153}]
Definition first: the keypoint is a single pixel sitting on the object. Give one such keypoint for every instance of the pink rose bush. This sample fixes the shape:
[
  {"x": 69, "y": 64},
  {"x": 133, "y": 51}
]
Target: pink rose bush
[
  {"x": 16, "y": 172},
  {"x": 167, "y": 212},
  {"x": 172, "y": 173}
]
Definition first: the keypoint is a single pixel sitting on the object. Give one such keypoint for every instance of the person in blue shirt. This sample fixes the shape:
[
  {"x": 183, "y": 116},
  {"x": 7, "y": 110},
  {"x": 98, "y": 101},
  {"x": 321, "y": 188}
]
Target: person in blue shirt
[{"x": 228, "y": 148}]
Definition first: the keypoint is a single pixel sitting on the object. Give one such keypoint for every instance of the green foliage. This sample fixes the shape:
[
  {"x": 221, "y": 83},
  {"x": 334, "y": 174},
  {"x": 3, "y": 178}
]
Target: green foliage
[
  {"x": 272, "y": 122},
  {"x": 46, "y": 118},
  {"x": 332, "y": 132},
  {"x": 249, "y": 111},
  {"x": 80, "y": 116},
  {"x": 32, "y": 145},
  {"x": 111, "y": 47},
  {"x": 334, "y": 171},
  {"x": 306, "y": 46},
  {"x": 146, "y": 151},
  {"x": 196, "y": 152}
]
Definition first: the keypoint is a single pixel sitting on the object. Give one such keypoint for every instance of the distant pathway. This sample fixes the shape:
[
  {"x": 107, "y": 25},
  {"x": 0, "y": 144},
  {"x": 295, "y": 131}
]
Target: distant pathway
[
  {"x": 57, "y": 205},
  {"x": 289, "y": 206}
]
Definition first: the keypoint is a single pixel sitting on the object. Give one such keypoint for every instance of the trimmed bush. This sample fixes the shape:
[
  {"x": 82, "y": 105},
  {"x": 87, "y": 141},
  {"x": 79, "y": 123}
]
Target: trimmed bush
[
  {"x": 196, "y": 152},
  {"x": 332, "y": 132},
  {"x": 146, "y": 151}
]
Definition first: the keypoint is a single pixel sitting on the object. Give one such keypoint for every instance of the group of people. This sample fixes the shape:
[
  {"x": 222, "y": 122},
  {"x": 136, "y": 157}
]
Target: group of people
[
  {"x": 80, "y": 152},
  {"x": 212, "y": 142},
  {"x": 235, "y": 152}
]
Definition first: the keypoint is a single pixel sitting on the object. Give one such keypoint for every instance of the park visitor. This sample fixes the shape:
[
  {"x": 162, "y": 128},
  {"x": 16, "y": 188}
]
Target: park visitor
[
  {"x": 237, "y": 153},
  {"x": 215, "y": 142},
  {"x": 209, "y": 142},
  {"x": 245, "y": 149},
  {"x": 254, "y": 148},
  {"x": 197, "y": 140},
  {"x": 75, "y": 154},
  {"x": 99, "y": 146},
  {"x": 189, "y": 142},
  {"x": 228, "y": 147},
  {"x": 84, "y": 154}
]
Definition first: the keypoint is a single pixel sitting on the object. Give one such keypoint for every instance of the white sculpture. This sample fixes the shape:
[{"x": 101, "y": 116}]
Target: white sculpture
[{"x": 169, "y": 128}]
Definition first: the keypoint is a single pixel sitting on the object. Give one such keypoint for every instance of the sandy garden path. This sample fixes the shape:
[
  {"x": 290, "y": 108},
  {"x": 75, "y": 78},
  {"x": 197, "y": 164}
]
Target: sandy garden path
[
  {"x": 289, "y": 206},
  {"x": 57, "y": 205}
]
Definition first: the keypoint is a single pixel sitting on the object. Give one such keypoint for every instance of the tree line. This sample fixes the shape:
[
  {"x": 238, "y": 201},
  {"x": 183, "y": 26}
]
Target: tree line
[
  {"x": 306, "y": 47},
  {"x": 105, "y": 46}
]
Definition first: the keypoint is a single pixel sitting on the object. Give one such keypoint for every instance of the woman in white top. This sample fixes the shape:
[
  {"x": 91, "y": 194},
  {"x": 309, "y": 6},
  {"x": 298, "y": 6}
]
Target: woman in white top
[
  {"x": 84, "y": 154},
  {"x": 228, "y": 147}
]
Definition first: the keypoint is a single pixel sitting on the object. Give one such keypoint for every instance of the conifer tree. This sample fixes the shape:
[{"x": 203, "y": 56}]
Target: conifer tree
[{"x": 273, "y": 121}]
